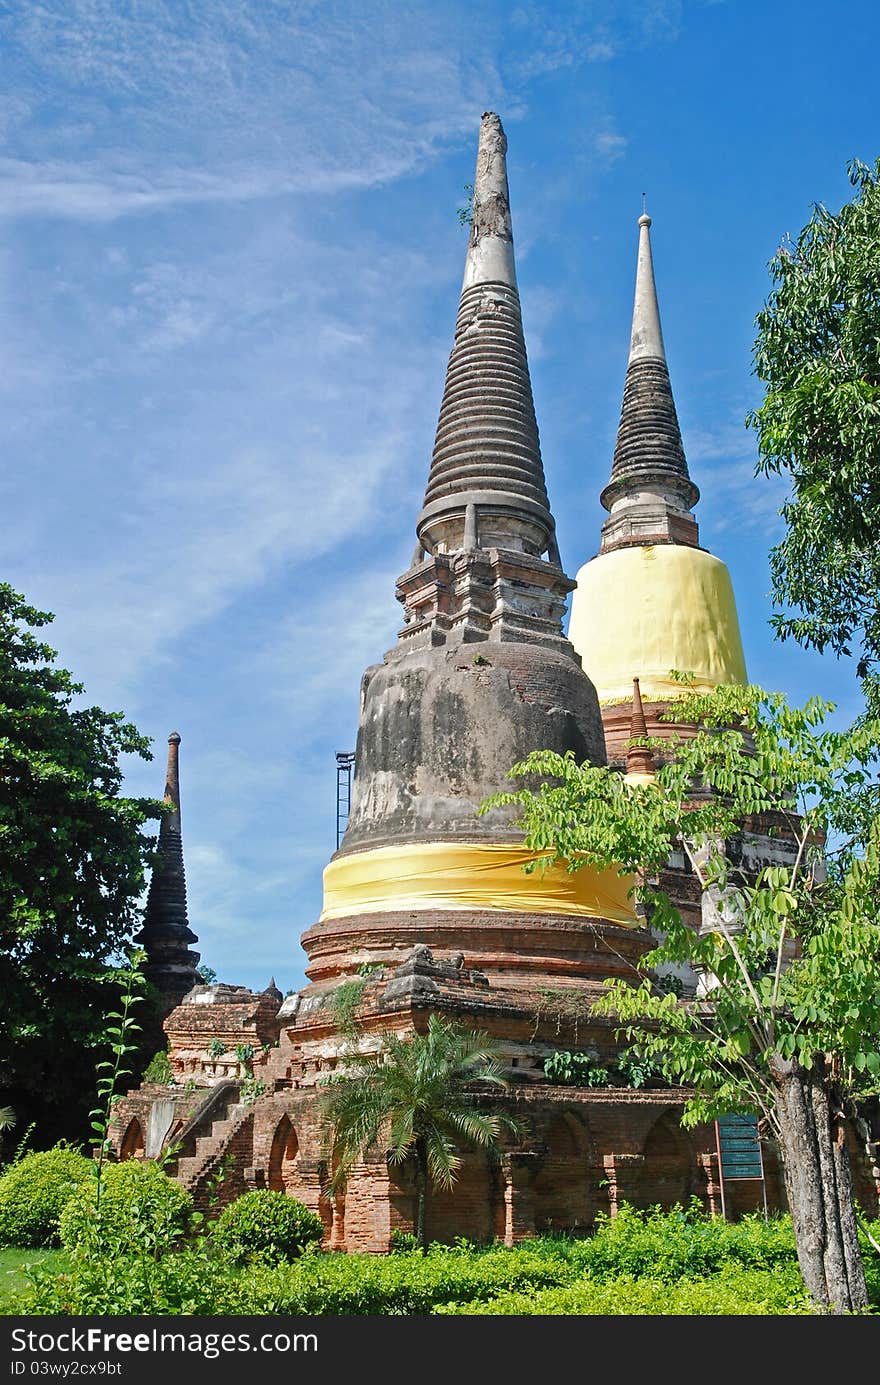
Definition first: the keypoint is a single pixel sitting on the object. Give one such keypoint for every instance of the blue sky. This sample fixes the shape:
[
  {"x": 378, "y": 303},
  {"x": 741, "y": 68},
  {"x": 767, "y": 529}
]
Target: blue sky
[{"x": 229, "y": 270}]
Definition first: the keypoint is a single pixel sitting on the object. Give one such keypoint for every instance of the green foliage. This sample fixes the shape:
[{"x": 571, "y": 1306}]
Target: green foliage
[
  {"x": 140, "y": 1210},
  {"x": 186, "y": 1282},
  {"x": 34, "y": 1192},
  {"x": 14, "y": 1267},
  {"x": 369, "y": 1285},
  {"x": 245, "y": 1054},
  {"x": 635, "y": 1069},
  {"x": 159, "y": 1068},
  {"x": 757, "y": 755},
  {"x": 787, "y": 1016},
  {"x": 368, "y": 969},
  {"x": 118, "y": 1037},
  {"x": 267, "y": 1226},
  {"x": 207, "y": 975},
  {"x": 732, "y": 1294},
  {"x": 647, "y": 1262},
  {"x": 21, "y": 1148},
  {"x": 403, "y": 1242},
  {"x": 465, "y": 214},
  {"x": 72, "y": 858},
  {"x": 344, "y": 1002},
  {"x": 251, "y": 1088},
  {"x": 574, "y": 1070},
  {"x": 681, "y": 1243},
  {"x": 216, "y": 1048},
  {"x": 819, "y": 424}
]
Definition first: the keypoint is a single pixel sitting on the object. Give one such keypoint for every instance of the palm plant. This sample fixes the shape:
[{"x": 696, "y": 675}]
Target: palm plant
[
  {"x": 415, "y": 1093},
  {"x": 7, "y": 1122}
]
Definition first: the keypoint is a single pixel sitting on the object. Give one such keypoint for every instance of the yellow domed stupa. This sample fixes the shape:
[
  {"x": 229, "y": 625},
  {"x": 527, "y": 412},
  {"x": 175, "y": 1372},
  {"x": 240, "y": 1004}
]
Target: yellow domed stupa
[{"x": 652, "y": 600}]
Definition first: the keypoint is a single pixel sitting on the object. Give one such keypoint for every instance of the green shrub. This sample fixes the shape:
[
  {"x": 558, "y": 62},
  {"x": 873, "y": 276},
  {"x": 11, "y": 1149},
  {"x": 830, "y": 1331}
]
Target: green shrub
[
  {"x": 681, "y": 1243},
  {"x": 159, "y": 1068},
  {"x": 735, "y": 1293},
  {"x": 370, "y": 1285},
  {"x": 187, "y": 1282},
  {"x": 140, "y": 1209},
  {"x": 266, "y": 1226},
  {"x": 33, "y": 1194},
  {"x": 574, "y": 1070},
  {"x": 636, "y": 1070}
]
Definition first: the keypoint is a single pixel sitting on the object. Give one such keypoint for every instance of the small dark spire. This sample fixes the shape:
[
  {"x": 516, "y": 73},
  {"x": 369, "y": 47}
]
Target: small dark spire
[
  {"x": 639, "y": 758},
  {"x": 166, "y": 934}
]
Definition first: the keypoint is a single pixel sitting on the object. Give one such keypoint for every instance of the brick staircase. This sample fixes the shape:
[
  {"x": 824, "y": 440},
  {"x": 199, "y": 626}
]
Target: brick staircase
[
  {"x": 210, "y": 1148},
  {"x": 210, "y": 1135}
]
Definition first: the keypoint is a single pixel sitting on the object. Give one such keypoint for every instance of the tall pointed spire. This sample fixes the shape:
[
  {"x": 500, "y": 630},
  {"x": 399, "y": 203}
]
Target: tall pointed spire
[
  {"x": 166, "y": 934},
  {"x": 650, "y": 494},
  {"x": 486, "y": 491},
  {"x": 486, "y": 452}
]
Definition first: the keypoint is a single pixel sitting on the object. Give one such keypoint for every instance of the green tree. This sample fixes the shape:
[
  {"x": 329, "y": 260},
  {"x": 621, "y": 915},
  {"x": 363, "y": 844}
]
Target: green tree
[
  {"x": 72, "y": 858},
  {"x": 788, "y": 1010},
  {"x": 817, "y": 353},
  {"x": 417, "y": 1095}
]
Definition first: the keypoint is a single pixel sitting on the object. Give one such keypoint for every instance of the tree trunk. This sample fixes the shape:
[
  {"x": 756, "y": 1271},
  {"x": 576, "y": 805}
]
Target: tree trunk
[
  {"x": 818, "y": 1181},
  {"x": 421, "y": 1195}
]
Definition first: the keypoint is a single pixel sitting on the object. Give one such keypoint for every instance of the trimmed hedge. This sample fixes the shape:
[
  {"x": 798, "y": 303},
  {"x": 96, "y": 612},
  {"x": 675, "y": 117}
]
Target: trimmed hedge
[
  {"x": 735, "y": 1293},
  {"x": 368, "y": 1285},
  {"x": 267, "y": 1226},
  {"x": 34, "y": 1192}
]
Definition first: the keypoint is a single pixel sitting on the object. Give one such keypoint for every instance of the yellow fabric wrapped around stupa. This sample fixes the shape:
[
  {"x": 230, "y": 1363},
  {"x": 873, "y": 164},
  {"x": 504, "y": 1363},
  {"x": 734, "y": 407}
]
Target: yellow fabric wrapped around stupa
[
  {"x": 469, "y": 875},
  {"x": 640, "y": 612}
]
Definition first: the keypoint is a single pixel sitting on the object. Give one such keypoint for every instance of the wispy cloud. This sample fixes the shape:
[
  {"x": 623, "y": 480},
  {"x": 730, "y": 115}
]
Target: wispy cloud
[
  {"x": 609, "y": 145},
  {"x": 227, "y": 103},
  {"x": 587, "y": 31},
  {"x": 722, "y": 462}
]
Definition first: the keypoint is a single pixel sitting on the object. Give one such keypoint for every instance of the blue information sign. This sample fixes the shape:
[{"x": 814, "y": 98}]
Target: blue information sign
[{"x": 739, "y": 1149}]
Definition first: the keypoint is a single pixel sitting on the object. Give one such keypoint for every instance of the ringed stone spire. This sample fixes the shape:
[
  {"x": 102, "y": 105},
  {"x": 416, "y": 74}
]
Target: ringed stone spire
[
  {"x": 650, "y": 494},
  {"x": 166, "y": 934},
  {"x": 486, "y": 485}
]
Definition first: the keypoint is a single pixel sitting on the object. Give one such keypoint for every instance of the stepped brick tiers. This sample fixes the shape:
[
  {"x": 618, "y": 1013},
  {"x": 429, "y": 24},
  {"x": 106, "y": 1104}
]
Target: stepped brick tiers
[{"x": 427, "y": 908}]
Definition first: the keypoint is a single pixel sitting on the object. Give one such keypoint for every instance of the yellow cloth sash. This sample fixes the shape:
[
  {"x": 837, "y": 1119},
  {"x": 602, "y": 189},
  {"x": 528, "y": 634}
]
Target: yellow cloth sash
[{"x": 469, "y": 875}]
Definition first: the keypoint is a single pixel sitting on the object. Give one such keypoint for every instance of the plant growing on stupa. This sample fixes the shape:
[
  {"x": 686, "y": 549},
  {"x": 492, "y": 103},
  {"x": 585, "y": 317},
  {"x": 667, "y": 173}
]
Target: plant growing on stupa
[
  {"x": 415, "y": 1098},
  {"x": 788, "y": 1011}
]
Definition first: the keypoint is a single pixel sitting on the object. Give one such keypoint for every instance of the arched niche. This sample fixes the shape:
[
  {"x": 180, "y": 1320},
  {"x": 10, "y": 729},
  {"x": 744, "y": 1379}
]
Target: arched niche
[
  {"x": 565, "y": 1196},
  {"x": 132, "y": 1144},
  {"x": 283, "y": 1157},
  {"x": 669, "y": 1170}
]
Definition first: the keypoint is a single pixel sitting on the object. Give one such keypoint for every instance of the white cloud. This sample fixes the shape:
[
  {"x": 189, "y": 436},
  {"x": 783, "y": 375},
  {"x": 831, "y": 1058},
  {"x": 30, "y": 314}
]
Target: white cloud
[
  {"x": 722, "y": 462},
  {"x": 610, "y": 146}
]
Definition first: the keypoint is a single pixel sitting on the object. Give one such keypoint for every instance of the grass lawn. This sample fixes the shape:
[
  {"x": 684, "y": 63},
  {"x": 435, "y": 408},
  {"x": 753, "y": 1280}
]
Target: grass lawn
[{"x": 12, "y": 1266}]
